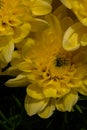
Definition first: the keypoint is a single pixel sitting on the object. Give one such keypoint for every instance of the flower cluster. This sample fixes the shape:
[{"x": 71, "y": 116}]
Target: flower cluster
[{"x": 45, "y": 43}]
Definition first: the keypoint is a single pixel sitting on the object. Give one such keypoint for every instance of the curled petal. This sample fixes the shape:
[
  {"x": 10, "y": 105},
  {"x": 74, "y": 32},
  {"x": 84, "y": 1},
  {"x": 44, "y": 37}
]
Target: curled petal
[
  {"x": 19, "y": 81},
  {"x": 6, "y": 53},
  {"x": 83, "y": 89},
  {"x": 48, "y": 110},
  {"x": 67, "y": 102},
  {"x": 33, "y": 106},
  {"x": 11, "y": 71},
  {"x": 26, "y": 67},
  {"x": 41, "y": 7},
  {"x": 34, "y": 91},
  {"x": 71, "y": 37},
  {"x": 75, "y": 36},
  {"x": 38, "y": 24}
]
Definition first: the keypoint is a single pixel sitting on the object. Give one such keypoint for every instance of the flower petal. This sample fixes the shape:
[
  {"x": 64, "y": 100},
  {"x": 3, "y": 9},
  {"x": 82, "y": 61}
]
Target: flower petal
[
  {"x": 67, "y": 102},
  {"x": 6, "y": 53},
  {"x": 33, "y": 106},
  {"x": 48, "y": 110},
  {"x": 84, "y": 40},
  {"x": 21, "y": 32},
  {"x": 71, "y": 38},
  {"x": 50, "y": 92},
  {"x": 19, "y": 81},
  {"x": 67, "y": 3},
  {"x": 38, "y": 24},
  {"x": 83, "y": 89},
  {"x": 26, "y": 67},
  {"x": 28, "y": 44},
  {"x": 6, "y": 30},
  {"x": 34, "y": 91},
  {"x": 41, "y": 7}
]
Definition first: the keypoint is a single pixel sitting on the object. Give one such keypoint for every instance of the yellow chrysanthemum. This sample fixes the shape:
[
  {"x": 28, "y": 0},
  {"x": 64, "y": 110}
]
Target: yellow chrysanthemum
[
  {"x": 15, "y": 12},
  {"x": 17, "y": 19},
  {"x": 54, "y": 76},
  {"x": 79, "y": 7},
  {"x": 75, "y": 36}
]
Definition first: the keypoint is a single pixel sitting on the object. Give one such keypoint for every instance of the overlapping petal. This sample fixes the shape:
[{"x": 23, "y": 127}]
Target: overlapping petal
[
  {"x": 75, "y": 36},
  {"x": 48, "y": 110},
  {"x": 79, "y": 8},
  {"x": 33, "y": 106},
  {"x": 67, "y": 103}
]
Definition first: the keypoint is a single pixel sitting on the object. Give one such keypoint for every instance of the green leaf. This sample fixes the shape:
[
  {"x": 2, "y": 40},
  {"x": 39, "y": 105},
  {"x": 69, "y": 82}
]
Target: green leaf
[{"x": 78, "y": 108}]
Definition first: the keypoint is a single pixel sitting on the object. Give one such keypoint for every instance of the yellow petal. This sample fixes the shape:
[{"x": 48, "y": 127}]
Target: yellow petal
[
  {"x": 6, "y": 53},
  {"x": 50, "y": 92},
  {"x": 79, "y": 8},
  {"x": 71, "y": 38},
  {"x": 38, "y": 24},
  {"x": 54, "y": 24},
  {"x": 48, "y": 110},
  {"x": 4, "y": 40},
  {"x": 41, "y": 7},
  {"x": 5, "y": 30},
  {"x": 84, "y": 39},
  {"x": 67, "y": 3},
  {"x": 34, "y": 91},
  {"x": 83, "y": 89},
  {"x": 19, "y": 81},
  {"x": 26, "y": 66},
  {"x": 48, "y": 1},
  {"x": 28, "y": 44},
  {"x": 11, "y": 71},
  {"x": 16, "y": 58},
  {"x": 67, "y": 102},
  {"x": 21, "y": 32},
  {"x": 33, "y": 106}
]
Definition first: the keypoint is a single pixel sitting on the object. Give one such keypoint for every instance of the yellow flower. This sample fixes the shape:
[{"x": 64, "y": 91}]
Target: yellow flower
[
  {"x": 54, "y": 76},
  {"x": 17, "y": 19},
  {"x": 16, "y": 12},
  {"x": 75, "y": 36},
  {"x": 79, "y": 7},
  {"x": 11, "y": 12}
]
